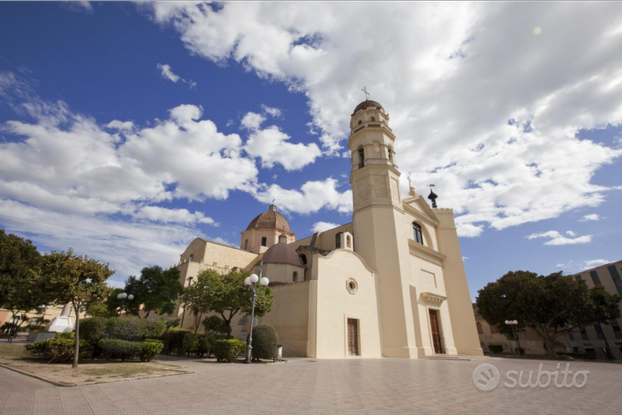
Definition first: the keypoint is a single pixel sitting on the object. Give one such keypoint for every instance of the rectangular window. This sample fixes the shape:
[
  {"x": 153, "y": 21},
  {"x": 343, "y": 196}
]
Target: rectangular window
[
  {"x": 264, "y": 241},
  {"x": 599, "y": 331},
  {"x": 616, "y": 328},
  {"x": 571, "y": 336},
  {"x": 595, "y": 279},
  {"x": 584, "y": 335},
  {"x": 578, "y": 278},
  {"x": 615, "y": 275}
]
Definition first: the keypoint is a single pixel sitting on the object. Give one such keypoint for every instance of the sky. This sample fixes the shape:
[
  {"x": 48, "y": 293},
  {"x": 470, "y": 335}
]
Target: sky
[{"x": 129, "y": 129}]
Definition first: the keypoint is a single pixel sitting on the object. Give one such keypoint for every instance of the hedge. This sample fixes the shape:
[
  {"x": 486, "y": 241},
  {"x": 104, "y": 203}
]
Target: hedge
[
  {"x": 265, "y": 342},
  {"x": 92, "y": 330},
  {"x": 125, "y": 350},
  {"x": 190, "y": 343},
  {"x": 59, "y": 349},
  {"x": 174, "y": 340},
  {"x": 150, "y": 349},
  {"x": 226, "y": 350},
  {"x": 152, "y": 328},
  {"x": 129, "y": 329}
]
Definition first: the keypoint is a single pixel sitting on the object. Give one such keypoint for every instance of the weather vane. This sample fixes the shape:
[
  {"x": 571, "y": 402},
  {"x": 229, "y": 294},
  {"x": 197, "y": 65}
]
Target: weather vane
[{"x": 364, "y": 89}]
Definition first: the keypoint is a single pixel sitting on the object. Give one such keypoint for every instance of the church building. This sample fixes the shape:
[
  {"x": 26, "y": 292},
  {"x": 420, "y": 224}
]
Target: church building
[{"x": 391, "y": 283}]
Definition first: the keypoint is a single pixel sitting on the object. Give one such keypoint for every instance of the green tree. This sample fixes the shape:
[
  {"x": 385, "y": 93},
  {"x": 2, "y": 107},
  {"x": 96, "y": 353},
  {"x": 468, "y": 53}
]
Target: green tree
[
  {"x": 197, "y": 297},
  {"x": 21, "y": 284},
  {"x": 231, "y": 296},
  {"x": 76, "y": 280},
  {"x": 552, "y": 305},
  {"x": 156, "y": 290}
]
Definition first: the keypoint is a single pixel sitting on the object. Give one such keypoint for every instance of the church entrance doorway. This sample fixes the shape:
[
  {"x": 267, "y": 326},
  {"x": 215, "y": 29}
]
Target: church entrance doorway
[
  {"x": 353, "y": 337},
  {"x": 436, "y": 333}
]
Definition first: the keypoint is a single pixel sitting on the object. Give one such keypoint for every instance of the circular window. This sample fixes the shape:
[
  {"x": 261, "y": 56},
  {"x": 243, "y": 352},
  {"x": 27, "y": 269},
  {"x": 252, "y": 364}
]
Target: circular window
[{"x": 352, "y": 286}]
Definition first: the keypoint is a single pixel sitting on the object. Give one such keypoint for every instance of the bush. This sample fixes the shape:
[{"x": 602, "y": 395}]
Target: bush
[
  {"x": 129, "y": 329},
  {"x": 214, "y": 325},
  {"x": 226, "y": 350},
  {"x": 59, "y": 349},
  {"x": 120, "y": 349},
  {"x": 204, "y": 345},
  {"x": 152, "y": 328},
  {"x": 150, "y": 349},
  {"x": 265, "y": 342},
  {"x": 190, "y": 343},
  {"x": 495, "y": 348},
  {"x": 92, "y": 330},
  {"x": 174, "y": 340}
]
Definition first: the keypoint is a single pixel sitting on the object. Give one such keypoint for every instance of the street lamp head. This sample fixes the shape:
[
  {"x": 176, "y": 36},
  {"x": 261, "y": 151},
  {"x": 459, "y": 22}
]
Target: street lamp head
[
  {"x": 130, "y": 297},
  {"x": 514, "y": 322},
  {"x": 264, "y": 281},
  {"x": 507, "y": 321},
  {"x": 253, "y": 278},
  {"x": 121, "y": 296},
  {"x": 247, "y": 281}
]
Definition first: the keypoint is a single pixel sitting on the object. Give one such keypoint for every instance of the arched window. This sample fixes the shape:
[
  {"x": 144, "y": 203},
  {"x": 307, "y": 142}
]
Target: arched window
[
  {"x": 418, "y": 235},
  {"x": 390, "y": 154},
  {"x": 303, "y": 258},
  {"x": 361, "y": 157},
  {"x": 348, "y": 242},
  {"x": 338, "y": 240},
  {"x": 373, "y": 119},
  {"x": 264, "y": 241},
  {"x": 191, "y": 257},
  {"x": 295, "y": 278}
]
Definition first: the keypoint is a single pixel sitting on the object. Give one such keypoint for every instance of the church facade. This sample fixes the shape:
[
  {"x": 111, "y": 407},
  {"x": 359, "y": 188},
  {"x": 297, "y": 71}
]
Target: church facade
[{"x": 391, "y": 283}]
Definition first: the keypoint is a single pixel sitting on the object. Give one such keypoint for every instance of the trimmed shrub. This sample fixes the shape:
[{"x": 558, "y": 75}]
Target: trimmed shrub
[
  {"x": 92, "y": 330},
  {"x": 190, "y": 343},
  {"x": 204, "y": 345},
  {"x": 174, "y": 340},
  {"x": 129, "y": 329},
  {"x": 150, "y": 349},
  {"x": 120, "y": 349},
  {"x": 495, "y": 348},
  {"x": 265, "y": 342},
  {"x": 59, "y": 349},
  {"x": 226, "y": 350},
  {"x": 152, "y": 328}
]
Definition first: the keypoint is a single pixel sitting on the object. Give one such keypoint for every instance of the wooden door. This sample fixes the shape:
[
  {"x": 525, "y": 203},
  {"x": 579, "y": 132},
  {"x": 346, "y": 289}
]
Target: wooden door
[
  {"x": 436, "y": 333},
  {"x": 353, "y": 337}
]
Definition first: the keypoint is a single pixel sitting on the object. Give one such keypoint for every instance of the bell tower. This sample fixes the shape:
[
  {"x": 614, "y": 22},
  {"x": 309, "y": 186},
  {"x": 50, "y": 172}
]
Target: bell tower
[{"x": 380, "y": 225}]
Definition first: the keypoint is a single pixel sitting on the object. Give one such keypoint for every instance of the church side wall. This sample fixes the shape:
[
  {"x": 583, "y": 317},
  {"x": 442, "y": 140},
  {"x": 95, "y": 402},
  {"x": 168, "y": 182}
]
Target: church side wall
[
  {"x": 458, "y": 296},
  {"x": 336, "y": 304}
]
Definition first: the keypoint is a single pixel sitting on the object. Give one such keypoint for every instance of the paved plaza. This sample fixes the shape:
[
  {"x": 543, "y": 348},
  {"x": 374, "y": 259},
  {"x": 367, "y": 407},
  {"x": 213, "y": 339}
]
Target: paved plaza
[{"x": 300, "y": 386}]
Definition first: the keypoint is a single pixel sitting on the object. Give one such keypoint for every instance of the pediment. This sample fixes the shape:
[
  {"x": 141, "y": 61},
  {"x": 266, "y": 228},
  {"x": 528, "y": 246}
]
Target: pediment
[{"x": 418, "y": 206}]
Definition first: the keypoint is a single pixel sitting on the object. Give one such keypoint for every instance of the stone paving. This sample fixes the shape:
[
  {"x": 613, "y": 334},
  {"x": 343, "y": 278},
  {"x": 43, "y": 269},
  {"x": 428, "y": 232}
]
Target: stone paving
[{"x": 352, "y": 386}]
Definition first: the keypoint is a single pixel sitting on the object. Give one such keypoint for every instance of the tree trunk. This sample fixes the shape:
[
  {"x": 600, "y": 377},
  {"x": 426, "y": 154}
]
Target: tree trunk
[{"x": 76, "y": 349}]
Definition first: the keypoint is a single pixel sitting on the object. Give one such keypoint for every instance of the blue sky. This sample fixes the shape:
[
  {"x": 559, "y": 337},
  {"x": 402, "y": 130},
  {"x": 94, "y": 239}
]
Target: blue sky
[{"x": 127, "y": 130}]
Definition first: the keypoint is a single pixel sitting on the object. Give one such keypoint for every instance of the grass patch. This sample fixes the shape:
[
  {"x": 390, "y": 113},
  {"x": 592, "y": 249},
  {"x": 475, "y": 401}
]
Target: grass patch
[{"x": 124, "y": 370}]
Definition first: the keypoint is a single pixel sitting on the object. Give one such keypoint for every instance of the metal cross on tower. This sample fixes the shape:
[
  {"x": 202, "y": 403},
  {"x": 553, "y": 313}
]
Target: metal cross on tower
[{"x": 364, "y": 89}]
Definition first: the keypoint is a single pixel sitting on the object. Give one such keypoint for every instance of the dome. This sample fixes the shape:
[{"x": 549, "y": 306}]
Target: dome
[
  {"x": 271, "y": 219},
  {"x": 282, "y": 253},
  {"x": 367, "y": 104}
]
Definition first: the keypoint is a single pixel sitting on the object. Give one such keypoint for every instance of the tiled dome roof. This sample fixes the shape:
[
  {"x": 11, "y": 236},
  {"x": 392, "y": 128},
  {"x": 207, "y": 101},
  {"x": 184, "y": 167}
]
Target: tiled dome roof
[
  {"x": 270, "y": 219},
  {"x": 281, "y": 253},
  {"x": 367, "y": 104}
]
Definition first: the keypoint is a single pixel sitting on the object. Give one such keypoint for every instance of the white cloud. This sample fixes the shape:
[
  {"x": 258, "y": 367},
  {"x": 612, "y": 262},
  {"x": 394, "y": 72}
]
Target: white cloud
[
  {"x": 590, "y": 217},
  {"x": 468, "y": 230},
  {"x": 555, "y": 238},
  {"x": 78, "y": 6},
  {"x": 167, "y": 73},
  {"x": 272, "y": 111},
  {"x": 273, "y": 146},
  {"x": 183, "y": 216},
  {"x": 570, "y": 233},
  {"x": 459, "y": 73},
  {"x": 120, "y": 125},
  {"x": 322, "y": 226},
  {"x": 312, "y": 196},
  {"x": 575, "y": 266},
  {"x": 595, "y": 263},
  {"x": 252, "y": 121}
]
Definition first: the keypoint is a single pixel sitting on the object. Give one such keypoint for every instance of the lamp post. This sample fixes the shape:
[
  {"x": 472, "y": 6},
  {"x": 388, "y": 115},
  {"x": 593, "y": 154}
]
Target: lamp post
[
  {"x": 123, "y": 297},
  {"x": 252, "y": 281},
  {"x": 513, "y": 324}
]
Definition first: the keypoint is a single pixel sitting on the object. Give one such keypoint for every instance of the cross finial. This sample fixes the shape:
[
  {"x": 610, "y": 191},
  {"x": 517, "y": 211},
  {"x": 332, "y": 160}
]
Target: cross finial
[
  {"x": 364, "y": 89},
  {"x": 273, "y": 201},
  {"x": 409, "y": 182}
]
